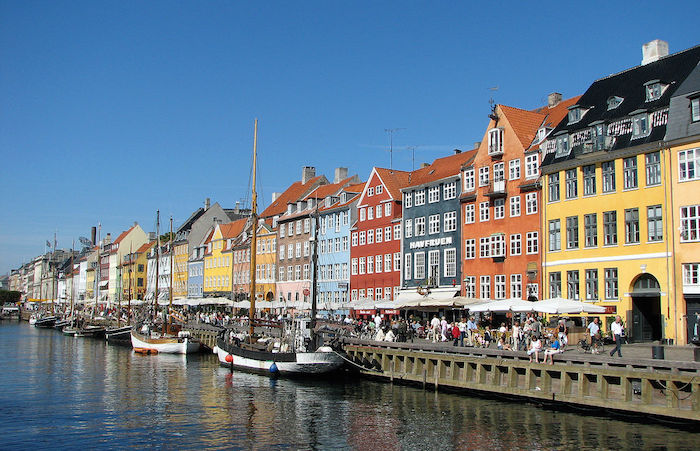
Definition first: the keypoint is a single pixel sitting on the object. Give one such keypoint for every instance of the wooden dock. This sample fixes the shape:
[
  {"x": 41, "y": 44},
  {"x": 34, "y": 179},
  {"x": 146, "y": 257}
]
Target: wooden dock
[{"x": 659, "y": 388}]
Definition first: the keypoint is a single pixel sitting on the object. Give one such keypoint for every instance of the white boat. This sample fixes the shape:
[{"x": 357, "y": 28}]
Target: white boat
[
  {"x": 253, "y": 357},
  {"x": 167, "y": 345}
]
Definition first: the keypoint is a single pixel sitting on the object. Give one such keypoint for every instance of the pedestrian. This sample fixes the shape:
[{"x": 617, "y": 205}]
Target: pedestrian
[
  {"x": 535, "y": 348},
  {"x": 594, "y": 332},
  {"x": 455, "y": 334},
  {"x": 617, "y": 330},
  {"x": 462, "y": 326},
  {"x": 554, "y": 349},
  {"x": 562, "y": 335},
  {"x": 443, "y": 329},
  {"x": 516, "y": 336},
  {"x": 471, "y": 329}
]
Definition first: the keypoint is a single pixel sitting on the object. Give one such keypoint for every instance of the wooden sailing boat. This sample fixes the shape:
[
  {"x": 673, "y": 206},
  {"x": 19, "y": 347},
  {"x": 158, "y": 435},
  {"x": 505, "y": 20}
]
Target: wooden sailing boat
[
  {"x": 121, "y": 335},
  {"x": 148, "y": 341},
  {"x": 248, "y": 354}
]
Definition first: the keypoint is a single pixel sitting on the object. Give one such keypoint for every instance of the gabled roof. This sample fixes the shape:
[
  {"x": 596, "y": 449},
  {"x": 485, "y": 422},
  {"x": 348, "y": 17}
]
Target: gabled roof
[
  {"x": 232, "y": 229},
  {"x": 123, "y": 235},
  {"x": 442, "y": 168},
  {"x": 523, "y": 123},
  {"x": 556, "y": 113},
  {"x": 145, "y": 247},
  {"x": 296, "y": 191},
  {"x": 393, "y": 180},
  {"x": 355, "y": 188},
  {"x": 322, "y": 191}
]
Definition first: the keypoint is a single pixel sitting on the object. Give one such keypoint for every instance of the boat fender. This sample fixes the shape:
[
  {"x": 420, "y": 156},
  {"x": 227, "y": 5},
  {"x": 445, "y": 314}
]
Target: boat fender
[
  {"x": 215, "y": 350},
  {"x": 273, "y": 368},
  {"x": 325, "y": 349},
  {"x": 229, "y": 358}
]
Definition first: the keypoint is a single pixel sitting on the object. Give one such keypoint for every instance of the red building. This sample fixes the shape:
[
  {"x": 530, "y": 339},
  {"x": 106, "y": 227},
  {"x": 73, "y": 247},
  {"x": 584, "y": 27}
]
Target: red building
[
  {"x": 375, "y": 239},
  {"x": 501, "y": 204}
]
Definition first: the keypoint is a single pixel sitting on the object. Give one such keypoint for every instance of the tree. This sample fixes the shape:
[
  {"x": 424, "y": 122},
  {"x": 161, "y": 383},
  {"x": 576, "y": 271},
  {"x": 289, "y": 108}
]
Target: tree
[{"x": 7, "y": 296}]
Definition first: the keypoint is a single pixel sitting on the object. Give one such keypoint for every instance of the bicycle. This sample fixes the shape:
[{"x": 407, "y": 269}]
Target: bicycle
[{"x": 586, "y": 347}]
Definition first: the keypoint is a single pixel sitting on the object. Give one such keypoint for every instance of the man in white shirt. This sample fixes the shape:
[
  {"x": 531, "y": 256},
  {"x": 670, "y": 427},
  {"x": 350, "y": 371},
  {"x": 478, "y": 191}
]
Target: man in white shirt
[
  {"x": 616, "y": 328},
  {"x": 593, "y": 330}
]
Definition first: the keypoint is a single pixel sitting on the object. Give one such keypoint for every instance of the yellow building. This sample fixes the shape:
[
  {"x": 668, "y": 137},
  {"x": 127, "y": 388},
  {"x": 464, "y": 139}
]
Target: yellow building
[
  {"x": 266, "y": 263},
  {"x": 180, "y": 272},
  {"x": 608, "y": 223},
  {"x": 217, "y": 258},
  {"x": 134, "y": 275}
]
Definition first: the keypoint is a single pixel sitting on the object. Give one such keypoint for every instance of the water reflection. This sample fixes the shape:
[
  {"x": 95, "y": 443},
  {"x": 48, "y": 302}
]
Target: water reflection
[{"x": 75, "y": 392}]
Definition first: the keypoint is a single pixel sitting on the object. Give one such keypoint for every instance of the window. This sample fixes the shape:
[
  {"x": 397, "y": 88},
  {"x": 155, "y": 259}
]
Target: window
[
  {"x": 363, "y": 239},
  {"x": 554, "y": 187},
  {"x": 485, "y": 287},
  {"x": 533, "y": 242},
  {"x": 378, "y": 211},
  {"x": 499, "y": 209},
  {"x": 397, "y": 261},
  {"x": 470, "y": 286},
  {"x": 433, "y": 224},
  {"x": 499, "y": 172},
  {"x": 306, "y": 249},
  {"x": 407, "y": 200},
  {"x": 450, "y": 262},
  {"x": 484, "y": 176},
  {"x": 407, "y": 267},
  {"x": 408, "y": 233},
  {"x": 379, "y": 189},
  {"x": 515, "y": 244},
  {"x": 589, "y": 180},
  {"x": 306, "y": 271},
  {"x": 484, "y": 247},
  {"x": 591, "y": 284},
  {"x": 387, "y": 209},
  {"x": 632, "y": 225},
  {"x": 468, "y": 179},
  {"x": 353, "y": 266},
  {"x": 397, "y": 232},
  {"x": 450, "y": 221},
  {"x": 695, "y": 109},
  {"x": 614, "y": 102},
  {"x": 354, "y": 239},
  {"x": 554, "y": 284},
  {"x": 290, "y": 273},
  {"x": 345, "y": 243},
  {"x": 590, "y": 229},
  {"x": 640, "y": 126},
  {"x": 516, "y": 286},
  {"x": 419, "y": 225},
  {"x": 297, "y": 250},
  {"x": 571, "y": 184},
  {"x": 610, "y": 283},
  {"x": 419, "y": 265},
  {"x": 499, "y": 286},
  {"x": 469, "y": 249},
  {"x": 531, "y": 203},
  {"x": 572, "y": 232},
  {"x": 495, "y": 141},
  {"x": 575, "y": 114},
  {"x": 514, "y": 169},
  {"x": 608, "y": 169},
  {"x": 387, "y": 234},
  {"x": 629, "y": 172},
  {"x": 562, "y": 145},
  {"x": 689, "y": 165},
  {"x": 554, "y": 235},
  {"x": 387, "y": 262},
  {"x": 515, "y": 206},
  {"x": 653, "y": 168},
  {"x": 572, "y": 285},
  {"x": 498, "y": 245},
  {"x": 449, "y": 190},
  {"x": 654, "y": 90},
  {"x": 370, "y": 191},
  {"x": 654, "y": 223},
  {"x": 362, "y": 263},
  {"x": 690, "y": 223},
  {"x": 420, "y": 197},
  {"x": 691, "y": 275},
  {"x": 370, "y": 264},
  {"x": 370, "y": 236},
  {"x": 533, "y": 290},
  {"x": 353, "y": 295},
  {"x": 282, "y": 231},
  {"x": 610, "y": 228},
  {"x": 297, "y": 272},
  {"x": 378, "y": 263},
  {"x": 281, "y": 252},
  {"x": 307, "y": 224},
  {"x": 370, "y": 213},
  {"x": 531, "y": 166},
  {"x": 433, "y": 267},
  {"x": 469, "y": 215},
  {"x": 484, "y": 211},
  {"x": 433, "y": 194},
  {"x": 362, "y": 214},
  {"x": 362, "y": 293}
]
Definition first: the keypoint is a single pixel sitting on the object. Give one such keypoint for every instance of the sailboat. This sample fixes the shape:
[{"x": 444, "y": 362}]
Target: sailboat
[
  {"x": 121, "y": 335},
  {"x": 148, "y": 341},
  {"x": 281, "y": 358}
]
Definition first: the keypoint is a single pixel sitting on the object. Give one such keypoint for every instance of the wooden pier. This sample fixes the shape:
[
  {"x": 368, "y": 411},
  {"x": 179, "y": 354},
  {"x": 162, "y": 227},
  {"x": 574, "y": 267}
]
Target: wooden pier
[{"x": 665, "y": 389}]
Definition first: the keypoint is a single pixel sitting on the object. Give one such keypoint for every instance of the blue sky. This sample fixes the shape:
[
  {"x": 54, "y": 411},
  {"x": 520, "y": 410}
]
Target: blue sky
[{"x": 111, "y": 110}]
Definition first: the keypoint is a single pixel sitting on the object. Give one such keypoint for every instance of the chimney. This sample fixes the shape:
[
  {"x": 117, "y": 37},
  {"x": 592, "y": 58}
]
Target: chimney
[
  {"x": 477, "y": 144},
  {"x": 340, "y": 174},
  {"x": 653, "y": 51},
  {"x": 108, "y": 239},
  {"x": 207, "y": 204},
  {"x": 275, "y": 196},
  {"x": 151, "y": 236},
  {"x": 307, "y": 173},
  {"x": 238, "y": 207},
  {"x": 457, "y": 151},
  {"x": 553, "y": 99},
  {"x": 424, "y": 165},
  {"x": 136, "y": 223},
  {"x": 93, "y": 235}
]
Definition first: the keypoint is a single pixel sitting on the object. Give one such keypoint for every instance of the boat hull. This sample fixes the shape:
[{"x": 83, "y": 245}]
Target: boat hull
[
  {"x": 46, "y": 323},
  {"x": 288, "y": 364},
  {"x": 119, "y": 336},
  {"x": 184, "y": 345}
]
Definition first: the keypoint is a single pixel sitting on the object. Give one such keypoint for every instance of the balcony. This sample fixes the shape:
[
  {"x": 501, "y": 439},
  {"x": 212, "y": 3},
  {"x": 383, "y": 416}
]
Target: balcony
[
  {"x": 495, "y": 151},
  {"x": 496, "y": 189}
]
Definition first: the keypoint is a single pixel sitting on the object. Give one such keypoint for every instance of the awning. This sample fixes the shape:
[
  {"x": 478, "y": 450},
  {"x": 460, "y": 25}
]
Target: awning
[
  {"x": 503, "y": 305},
  {"x": 436, "y": 297},
  {"x": 561, "y": 306},
  {"x": 104, "y": 284}
]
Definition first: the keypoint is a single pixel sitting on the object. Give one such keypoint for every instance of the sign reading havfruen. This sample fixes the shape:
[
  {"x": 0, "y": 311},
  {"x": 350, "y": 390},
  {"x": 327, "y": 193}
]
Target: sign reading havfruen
[{"x": 434, "y": 242}]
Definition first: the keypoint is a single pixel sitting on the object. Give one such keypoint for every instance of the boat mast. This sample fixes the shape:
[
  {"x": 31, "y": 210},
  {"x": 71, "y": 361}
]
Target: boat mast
[
  {"x": 314, "y": 285},
  {"x": 253, "y": 241},
  {"x": 131, "y": 272},
  {"x": 53, "y": 278},
  {"x": 97, "y": 269},
  {"x": 170, "y": 291},
  {"x": 72, "y": 281},
  {"x": 155, "y": 302}
]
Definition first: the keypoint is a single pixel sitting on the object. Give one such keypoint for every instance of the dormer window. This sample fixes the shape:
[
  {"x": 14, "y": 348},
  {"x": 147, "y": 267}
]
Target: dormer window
[
  {"x": 654, "y": 90},
  {"x": 542, "y": 134},
  {"x": 576, "y": 112},
  {"x": 343, "y": 197},
  {"x": 289, "y": 209},
  {"x": 328, "y": 201},
  {"x": 695, "y": 109},
  {"x": 300, "y": 206},
  {"x": 614, "y": 102},
  {"x": 496, "y": 141},
  {"x": 562, "y": 145},
  {"x": 640, "y": 126}
]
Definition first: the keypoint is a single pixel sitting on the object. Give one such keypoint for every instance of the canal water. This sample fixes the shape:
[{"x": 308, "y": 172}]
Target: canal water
[{"x": 65, "y": 392}]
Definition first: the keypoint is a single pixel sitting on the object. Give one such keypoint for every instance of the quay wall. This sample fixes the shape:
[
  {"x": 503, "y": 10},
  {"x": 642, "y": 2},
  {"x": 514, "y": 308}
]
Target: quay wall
[{"x": 657, "y": 388}]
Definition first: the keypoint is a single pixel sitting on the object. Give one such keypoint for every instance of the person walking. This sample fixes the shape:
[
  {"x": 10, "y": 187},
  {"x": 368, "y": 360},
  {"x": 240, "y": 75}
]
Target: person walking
[
  {"x": 593, "y": 330},
  {"x": 617, "y": 329},
  {"x": 471, "y": 328}
]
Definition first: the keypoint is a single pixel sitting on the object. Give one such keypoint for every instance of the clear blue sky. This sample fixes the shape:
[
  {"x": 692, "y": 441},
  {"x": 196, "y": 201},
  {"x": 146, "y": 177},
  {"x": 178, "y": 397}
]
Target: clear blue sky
[{"x": 111, "y": 110}]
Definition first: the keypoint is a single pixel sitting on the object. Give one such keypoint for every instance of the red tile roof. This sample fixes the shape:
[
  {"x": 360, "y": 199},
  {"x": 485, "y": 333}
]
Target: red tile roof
[
  {"x": 327, "y": 190},
  {"x": 123, "y": 235},
  {"x": 145, "y": 247},
  {"x": 295, "y": 191},
  {"x": 556, "y": 113},
  {"x": 442, "y": 168},
  {"x": 523, "y": 123},
  {"x": 232, "y": 229},
  {"x": 393, "y": 180}
]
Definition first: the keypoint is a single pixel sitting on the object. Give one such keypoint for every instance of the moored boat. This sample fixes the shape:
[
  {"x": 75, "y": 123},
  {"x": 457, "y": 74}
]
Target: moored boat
[
  {"x": 119, "y": 336},
  {"x": 182, "y": 344},
  {"x": 46, "y": 322},
  {"x": 60, "y": 324}
]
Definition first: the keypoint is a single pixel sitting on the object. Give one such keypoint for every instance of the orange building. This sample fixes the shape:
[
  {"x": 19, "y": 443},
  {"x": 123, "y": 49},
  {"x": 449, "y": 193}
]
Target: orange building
[{"x": 501, "y": 204}]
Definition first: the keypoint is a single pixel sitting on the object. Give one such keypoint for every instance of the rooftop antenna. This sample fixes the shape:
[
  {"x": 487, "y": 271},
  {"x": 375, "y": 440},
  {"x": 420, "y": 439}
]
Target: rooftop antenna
[
  {"x": 391, "y": 131},
  {"x": 413, "y": 161},
  {"x": 493, "y": 114}
]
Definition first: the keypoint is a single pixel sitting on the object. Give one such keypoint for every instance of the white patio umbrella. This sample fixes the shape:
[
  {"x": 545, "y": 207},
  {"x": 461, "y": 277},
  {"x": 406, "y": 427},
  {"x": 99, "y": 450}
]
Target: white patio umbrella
[
  {"x": 502, "y": 305},
  {"x": 558, "y": 306}
]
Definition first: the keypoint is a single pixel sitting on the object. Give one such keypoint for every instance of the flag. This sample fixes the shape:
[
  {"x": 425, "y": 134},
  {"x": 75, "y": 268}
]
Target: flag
[{"x": 48, "y": 243}]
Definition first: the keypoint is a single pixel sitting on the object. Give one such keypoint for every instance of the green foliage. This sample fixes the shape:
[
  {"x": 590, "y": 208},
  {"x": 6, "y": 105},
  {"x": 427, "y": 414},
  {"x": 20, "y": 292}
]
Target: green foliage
[{"x": 7, "y": 296}]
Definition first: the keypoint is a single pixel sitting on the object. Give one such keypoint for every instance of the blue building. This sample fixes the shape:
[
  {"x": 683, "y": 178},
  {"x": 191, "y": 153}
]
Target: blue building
[
  {"x": 337, "y": 214},
  {"x": 431, "y": 223}
]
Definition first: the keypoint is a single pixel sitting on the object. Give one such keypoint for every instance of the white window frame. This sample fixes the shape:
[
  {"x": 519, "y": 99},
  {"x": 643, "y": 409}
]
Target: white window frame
[
  {"x": 469, "y": 249},
  {"x": 516, "y": 244},
  {"x": 514, "y": 169},
  {"x": 450, "y": 262},
  {"x": 468, "y": 179},
  {"x": 469, "y": 213},
  {"x": 531, "y": 203},
  {"x": 532, "y": 168},
  {"x": 514, "y": 206},
  {"x": 450, "y": 221},
  {"x": 484, "y": 211},
  {"x": 433, "y": 194},
  {"x": 449, "y": 190}
]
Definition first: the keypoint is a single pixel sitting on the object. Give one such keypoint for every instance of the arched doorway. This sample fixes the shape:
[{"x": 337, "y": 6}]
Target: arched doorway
[
  {"x": 269, "y": 296},
  {"x": 646, "y": 309}
]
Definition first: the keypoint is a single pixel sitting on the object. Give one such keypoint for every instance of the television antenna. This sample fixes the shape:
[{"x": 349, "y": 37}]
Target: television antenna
[{"x": 391, "y": 131}]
